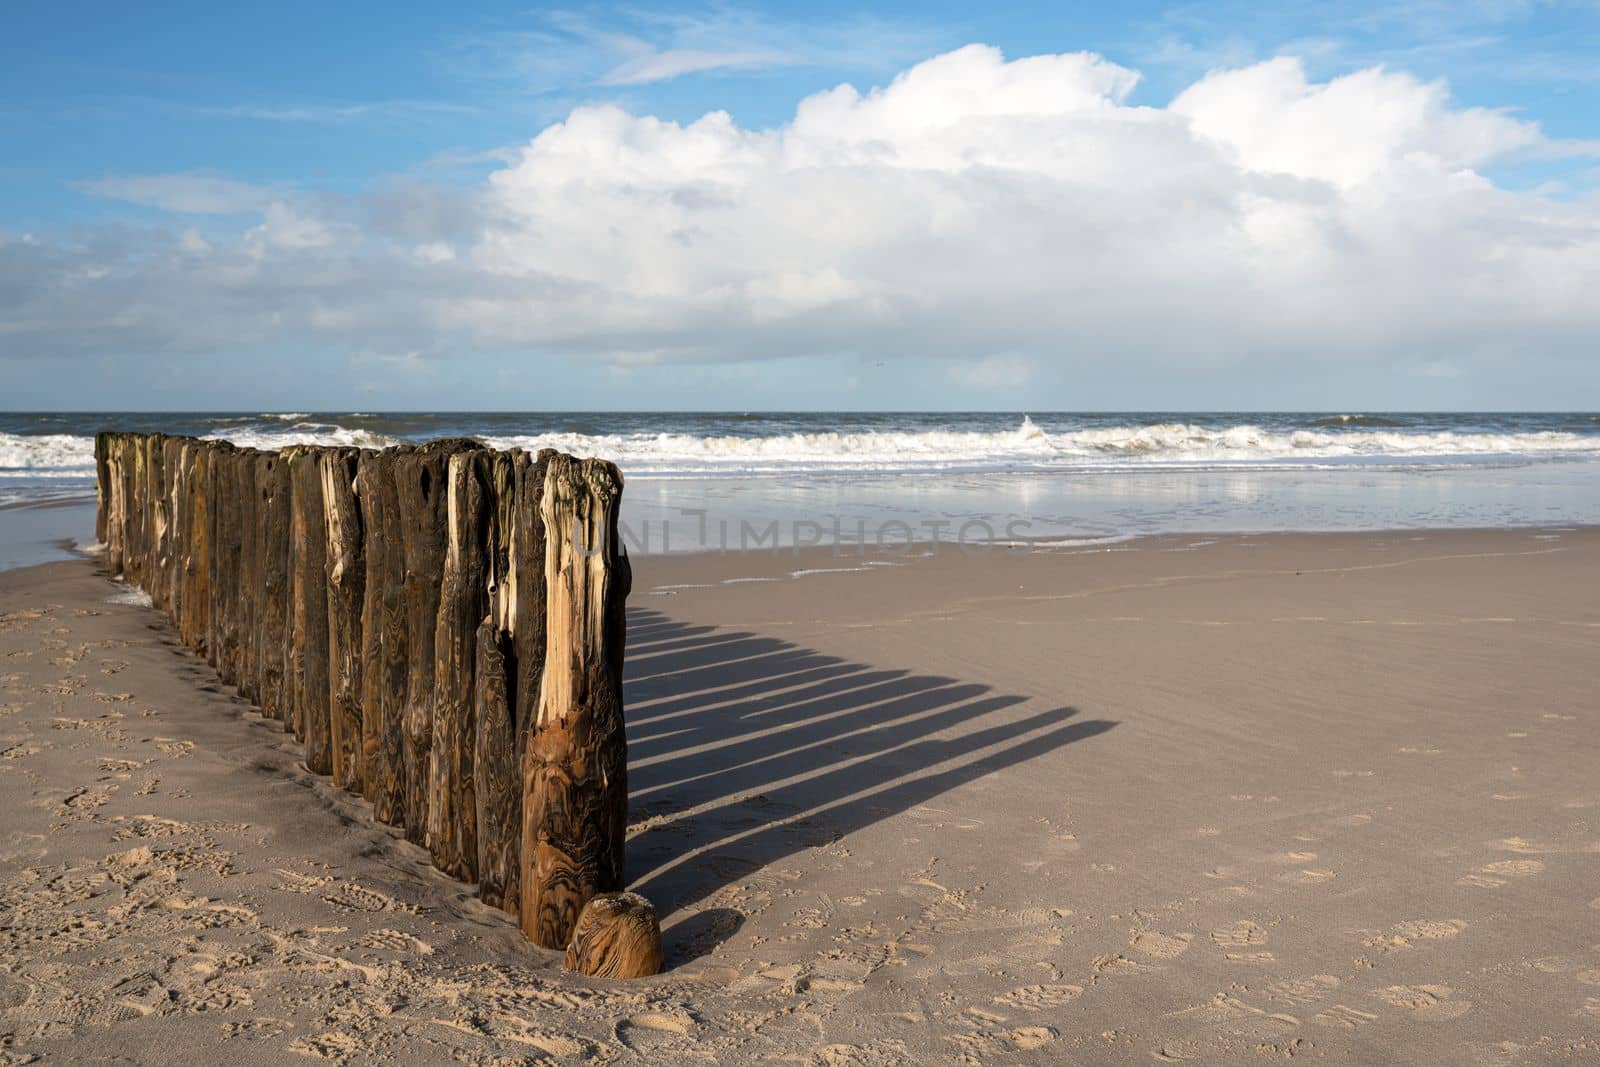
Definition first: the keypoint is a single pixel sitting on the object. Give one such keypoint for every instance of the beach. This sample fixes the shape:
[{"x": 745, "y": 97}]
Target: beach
[{"x": 1209, "y": 797}]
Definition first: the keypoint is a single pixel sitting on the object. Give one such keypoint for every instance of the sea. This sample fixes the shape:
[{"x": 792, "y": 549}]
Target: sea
[{"x": 978, "y": 481}]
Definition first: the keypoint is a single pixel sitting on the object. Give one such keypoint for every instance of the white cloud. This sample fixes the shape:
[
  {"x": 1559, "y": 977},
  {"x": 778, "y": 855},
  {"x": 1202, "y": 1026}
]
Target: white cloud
[
  {"x": 192, "y": 242},
  {"x": 286, "y": 227},
  {"x": 654, "y": 66},
  {"x": 1020, "y": 218},
  {"x": 188, "y": 194}
]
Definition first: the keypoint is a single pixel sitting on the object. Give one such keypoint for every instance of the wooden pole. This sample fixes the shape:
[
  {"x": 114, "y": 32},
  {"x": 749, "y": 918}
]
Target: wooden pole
[
  {"x": 497, "y": 774},
  {"x": 419, "y": 477},
  {"x": 308, "y": 641},
  {"x": 617, "y": 936},
  {"x": 575, "y": 788},
  {"x": 389, "y": 786},
  {"x": 375, "y": 543},
  {"x": 346, "y": 587},
  {"x": 272, "y": 511}
]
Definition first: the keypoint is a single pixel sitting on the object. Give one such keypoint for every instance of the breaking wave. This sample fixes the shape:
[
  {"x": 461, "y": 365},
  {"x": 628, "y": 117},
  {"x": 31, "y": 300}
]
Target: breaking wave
[
  {"x": 1023, "y": 447},
  {"x": 1030, "y": 448}
]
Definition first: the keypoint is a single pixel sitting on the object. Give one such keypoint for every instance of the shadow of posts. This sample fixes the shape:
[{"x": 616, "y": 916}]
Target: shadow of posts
[{"x": 745, "y": 749}]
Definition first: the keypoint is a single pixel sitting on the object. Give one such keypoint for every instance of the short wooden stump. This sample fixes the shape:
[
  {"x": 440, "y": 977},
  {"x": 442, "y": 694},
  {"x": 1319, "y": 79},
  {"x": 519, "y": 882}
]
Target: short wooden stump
[{"x": 617, "y": 936}]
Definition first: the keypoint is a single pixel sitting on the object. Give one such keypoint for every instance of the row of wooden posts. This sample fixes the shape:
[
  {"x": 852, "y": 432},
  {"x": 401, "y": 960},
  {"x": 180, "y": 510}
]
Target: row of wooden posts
[{"x": 442, "y": 625}]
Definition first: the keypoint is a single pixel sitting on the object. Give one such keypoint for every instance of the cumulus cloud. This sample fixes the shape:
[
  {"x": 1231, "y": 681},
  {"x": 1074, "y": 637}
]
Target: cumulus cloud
[{"x": 1007, "y": 215}]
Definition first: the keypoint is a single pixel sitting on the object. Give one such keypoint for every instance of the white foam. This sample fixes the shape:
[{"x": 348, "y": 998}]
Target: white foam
[
  {"x": 1026, "y": 448},
  {"x": 1030, "y": 448},
  {"x": 129, "y": 595},
  {"x": 305, "y": 433},
  {"x": 46, "y": 455}
]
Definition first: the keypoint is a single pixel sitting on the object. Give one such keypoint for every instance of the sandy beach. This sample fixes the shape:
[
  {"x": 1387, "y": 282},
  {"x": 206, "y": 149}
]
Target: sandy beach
[{"x": 1215, "y": 799}]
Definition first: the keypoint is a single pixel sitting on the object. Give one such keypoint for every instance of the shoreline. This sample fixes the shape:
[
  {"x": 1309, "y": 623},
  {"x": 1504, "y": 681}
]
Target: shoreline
[
  {"x": 67, "y": 549},
  {"x": 1289, "y": 793}
]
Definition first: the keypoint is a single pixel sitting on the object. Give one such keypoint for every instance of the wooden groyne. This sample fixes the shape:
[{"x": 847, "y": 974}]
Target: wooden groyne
[{"x": 441, "y": 625}]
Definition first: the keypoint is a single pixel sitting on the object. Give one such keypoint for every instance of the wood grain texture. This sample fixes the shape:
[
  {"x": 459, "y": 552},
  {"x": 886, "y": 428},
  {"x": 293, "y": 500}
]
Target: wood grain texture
[
  {"x": 346, "y": 577},
  {"x": 463, "y": 602},
  {"x": 308, "y": 631},
  {"x": 617, "y": 936},
  {"x": 419, "y": 478},
  {"x": 575, "y": 769},
  {"x": 272, "y": 517},
  {"x": 374, "y": 548},
  {"x": 389, "y": 789},
  {"x": 498, "y": 776}
]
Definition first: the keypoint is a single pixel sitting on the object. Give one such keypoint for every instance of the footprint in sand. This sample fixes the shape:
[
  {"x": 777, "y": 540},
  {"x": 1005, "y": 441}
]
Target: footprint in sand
[
  {"x": 1040, "y": 997},
  {"x": 1161, "y": 946},
  {"x": 1242, "y": 934},
  {"x": 1308, "y": 876},
  {"x": 1430, "y": 1003},
  {"x": 652, "y": 1030},
  {"x": 870, "y": 1054},
  {"x": 396, "y": 941},
  {"x": 1496, "y": 874},
  {"x": 349, "y": 896},
  {"x": 1404, "y": 934},
  {"x": 1344, "y": 1015},
  {"x": 1296, "y": 991},
  {"x": 984, "y": 1045}
]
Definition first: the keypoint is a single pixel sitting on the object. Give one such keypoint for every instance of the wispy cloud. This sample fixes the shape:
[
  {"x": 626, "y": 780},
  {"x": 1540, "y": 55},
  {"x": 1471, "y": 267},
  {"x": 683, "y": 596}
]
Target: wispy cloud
[
  {"x": 566, "y": 51},
  {"x": 337, "y": 113},
  {"x": 654, "y": 66},
  {"x": 185, "y": 194}
]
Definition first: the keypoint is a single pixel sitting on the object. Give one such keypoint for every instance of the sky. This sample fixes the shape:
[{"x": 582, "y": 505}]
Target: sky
[{"x": 1321, "y": 206}]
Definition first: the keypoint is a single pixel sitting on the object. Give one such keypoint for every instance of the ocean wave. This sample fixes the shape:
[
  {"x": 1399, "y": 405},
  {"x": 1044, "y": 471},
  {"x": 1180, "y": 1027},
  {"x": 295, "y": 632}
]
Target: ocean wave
[
  {"x": 305, "y": 433},
  {"x": 46, "y": 454},
  {"x": 1026, "y": 447},
  {"x": 1031, "y": 448}
]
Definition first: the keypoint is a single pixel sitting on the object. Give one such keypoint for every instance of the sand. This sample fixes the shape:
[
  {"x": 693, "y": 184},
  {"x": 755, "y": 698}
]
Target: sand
[{"x": 1218, "y": 799}]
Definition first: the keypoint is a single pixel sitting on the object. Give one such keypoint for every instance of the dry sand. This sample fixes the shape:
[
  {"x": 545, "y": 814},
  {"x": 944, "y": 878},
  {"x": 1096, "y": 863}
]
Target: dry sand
[{"x": 1220, "y": 800}]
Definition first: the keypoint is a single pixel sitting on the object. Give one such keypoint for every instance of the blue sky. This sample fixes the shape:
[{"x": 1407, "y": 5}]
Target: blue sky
[{"x": 342, "y": 165}]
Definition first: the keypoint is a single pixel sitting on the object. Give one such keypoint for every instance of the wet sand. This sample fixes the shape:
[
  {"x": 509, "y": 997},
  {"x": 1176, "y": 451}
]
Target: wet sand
[{"x": 1185, "y": 798}]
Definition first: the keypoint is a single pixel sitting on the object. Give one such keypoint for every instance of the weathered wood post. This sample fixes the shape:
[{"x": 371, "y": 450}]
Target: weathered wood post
[
  {"x": 196, "y": 546},
  {"x": 617, "y": 936},
  {"x": 346, "y": 585},
  {"x": 272, "y": 512},
  {"x": 384, "y": 523},
  {"x": 247, "y": 590},
  {"x": 375, "y": 545},
  {"x": 158, "y": 533},
  {"x": 133, "y": 486},
  {"x": 575, "y": 771},
  {"x": 102, "y": 484},
  {"x": 172, "y": 494},
  {"x": 498, "y": 776},
  {"x": 497, "y": 766},
  {"x": 227, "y": 540},
  {"x": 308, "y": 626},
  {"x": 463, "y": 602},
  {"x": 419, "y": 477}
]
